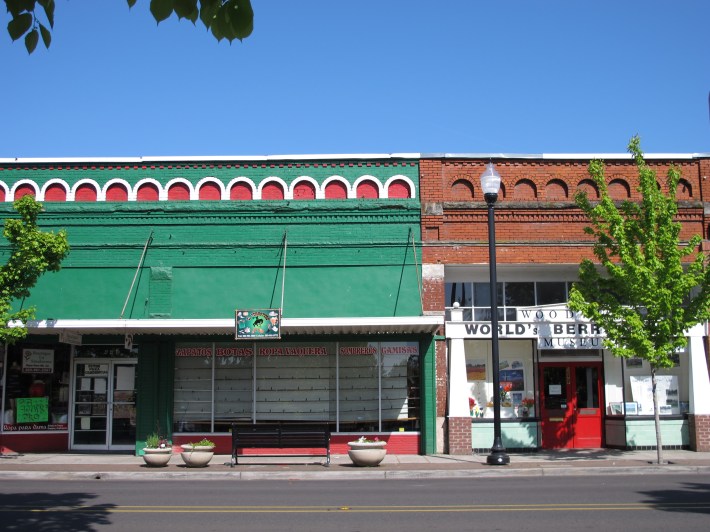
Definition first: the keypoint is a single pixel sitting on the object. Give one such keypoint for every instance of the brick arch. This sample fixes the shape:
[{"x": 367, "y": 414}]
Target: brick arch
[
  {"x": 304, "y": 190},
  {"x": 147, "y": 192},
  {"x": 590, "y": 187},
  {"x": 86, "y": 192},
  {"x": 178, "y": 191},
  {"x": 55, "y": 192},
  {"x": 462, "y": 190},
  {"x": 272, "y": 191},
  {"x": 117, "y": 192},
  {"x": 367, "y": 189},
  {"x": 525, "y": 189},
  {"x": 399, "y": 189},
  {"x": 556, "y": 190},
  {"x": 336, "y": 190},
  {"x": 619, "y": 189},
  {"x": 684, "y": 190},
  {"x": 210, "y": 191},
  {"x": 25, "y": 189},
  {"x": 241, "y": 191}
]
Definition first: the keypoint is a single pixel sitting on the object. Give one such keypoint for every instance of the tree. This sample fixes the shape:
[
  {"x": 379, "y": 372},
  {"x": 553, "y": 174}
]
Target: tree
[
  {"x": 32, "y": 252},
  {"x": 655, "y": 287},
  {"x": 226, "y": 19}
]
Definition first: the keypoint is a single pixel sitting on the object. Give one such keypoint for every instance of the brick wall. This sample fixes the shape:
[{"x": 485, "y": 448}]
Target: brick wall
[
  {"x": 699, "y": 432},
  {"x": 459, "y": 435}
]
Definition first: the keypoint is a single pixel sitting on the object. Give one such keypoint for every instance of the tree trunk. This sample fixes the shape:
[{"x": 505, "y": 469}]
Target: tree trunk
[{"x": 657, "y": 418}]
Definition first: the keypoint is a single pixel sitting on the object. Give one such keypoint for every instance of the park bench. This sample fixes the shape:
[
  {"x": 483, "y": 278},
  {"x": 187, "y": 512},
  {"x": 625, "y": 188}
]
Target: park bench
[{"x": 280, "y": 436}]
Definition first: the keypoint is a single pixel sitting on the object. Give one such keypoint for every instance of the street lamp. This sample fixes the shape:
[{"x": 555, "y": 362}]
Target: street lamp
[{"x": 490, "y": 183}]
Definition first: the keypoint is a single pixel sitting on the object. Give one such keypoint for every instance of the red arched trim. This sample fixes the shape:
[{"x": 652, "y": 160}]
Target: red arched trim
[
  {"x": 55, "y": 192},
  {"x": 336, "y": 190},
  {"x": 178, "y": 192},
  {"x": 398, "y": 189},
  {"x": 368, "y": 190},
  {"x": 147, "y": 192},
  {"x": 116, "y": 192},
  {"x": 210, "y": 191},
  {"x": 240, "y": 192},
  {"x": 272, "y": 191},
  {"x": 24, "y": 190},
  {"x": 85, "y": 192},
  {"x": 304, "y": 191}
]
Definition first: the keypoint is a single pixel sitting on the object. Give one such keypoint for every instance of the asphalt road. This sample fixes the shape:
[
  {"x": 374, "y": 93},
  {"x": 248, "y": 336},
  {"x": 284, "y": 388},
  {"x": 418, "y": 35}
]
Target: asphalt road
[{"x": 608, "y": 503}]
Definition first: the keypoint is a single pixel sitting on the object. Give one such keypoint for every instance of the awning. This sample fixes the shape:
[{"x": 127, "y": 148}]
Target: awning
[{"x": 289, "y": 326}]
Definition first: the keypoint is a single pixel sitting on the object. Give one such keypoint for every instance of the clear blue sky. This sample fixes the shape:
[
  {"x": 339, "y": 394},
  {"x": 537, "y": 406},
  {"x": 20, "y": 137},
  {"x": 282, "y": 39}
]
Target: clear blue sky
[{"x": 366, "y": 76}]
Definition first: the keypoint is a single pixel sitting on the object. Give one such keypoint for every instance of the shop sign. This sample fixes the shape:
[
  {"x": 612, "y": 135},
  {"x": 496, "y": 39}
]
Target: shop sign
[
  {"x": 298, "y": 351},
  {"x": 259, "y": 324},
  {"x": 37, "y": 361},
  {"x": 548, "y": 342},
  {"x": 554, "y": 335},
  {"x": 32, "y": 409},
  {"x": 70, "y": 337},
  {"x": 385, "y": 348}
]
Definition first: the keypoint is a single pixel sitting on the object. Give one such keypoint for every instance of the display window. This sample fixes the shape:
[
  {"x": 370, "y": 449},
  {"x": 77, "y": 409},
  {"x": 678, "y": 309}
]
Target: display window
[
  {"x": 356, "y": 386},
  {"x": 36, "y": 388}
]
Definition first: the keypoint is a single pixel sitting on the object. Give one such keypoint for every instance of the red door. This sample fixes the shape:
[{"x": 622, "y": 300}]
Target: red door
[{"x": 571, "y": 393}]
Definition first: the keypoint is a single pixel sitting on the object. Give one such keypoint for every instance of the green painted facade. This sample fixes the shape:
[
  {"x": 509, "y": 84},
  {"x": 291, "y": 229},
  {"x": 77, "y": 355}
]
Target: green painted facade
[{"x": 343, "y": 258}]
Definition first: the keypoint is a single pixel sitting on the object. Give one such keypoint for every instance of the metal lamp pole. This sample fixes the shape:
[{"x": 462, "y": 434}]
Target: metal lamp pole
[{"x": 490, "y": 183}]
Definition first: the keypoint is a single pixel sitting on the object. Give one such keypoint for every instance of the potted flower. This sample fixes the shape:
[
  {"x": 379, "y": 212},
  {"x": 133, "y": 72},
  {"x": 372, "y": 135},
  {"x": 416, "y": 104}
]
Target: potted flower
[
  {"x": 527, "y": 407},
  {"x": 157, "y": 451},
  {"x": 197, "y": 454},
  {"x": 365, "y": 452}
]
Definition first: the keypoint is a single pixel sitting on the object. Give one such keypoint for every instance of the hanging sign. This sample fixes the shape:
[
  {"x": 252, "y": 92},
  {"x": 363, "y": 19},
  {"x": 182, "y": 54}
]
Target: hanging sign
[
  {"x": 258, "y": 324},
  {"x": 70, "y": 337}
]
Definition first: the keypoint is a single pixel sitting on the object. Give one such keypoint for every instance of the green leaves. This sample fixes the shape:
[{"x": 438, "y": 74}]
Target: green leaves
[
  {"x": 32, "y": 253},
  {"x": 225, "y": 19},
  {"x": 25, "y": 21},
  {"x": 650, "y": 292}
]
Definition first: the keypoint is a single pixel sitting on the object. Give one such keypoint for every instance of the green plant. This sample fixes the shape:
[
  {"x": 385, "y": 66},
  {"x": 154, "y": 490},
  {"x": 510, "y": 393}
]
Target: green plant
[
  {"x": 204, "y": 442},
  {"x": 155, "y": 441}
]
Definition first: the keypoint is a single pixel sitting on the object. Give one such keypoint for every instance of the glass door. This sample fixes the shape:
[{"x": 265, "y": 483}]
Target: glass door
[
  {"x": 570, "y": 397},
  {"x": 104, "y": 404}
]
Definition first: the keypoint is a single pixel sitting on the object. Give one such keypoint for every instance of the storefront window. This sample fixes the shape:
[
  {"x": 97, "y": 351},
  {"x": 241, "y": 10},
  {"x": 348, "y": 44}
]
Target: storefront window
[
  {"x": 361, "y": 386},
  {"x": 36, "y": 394}
]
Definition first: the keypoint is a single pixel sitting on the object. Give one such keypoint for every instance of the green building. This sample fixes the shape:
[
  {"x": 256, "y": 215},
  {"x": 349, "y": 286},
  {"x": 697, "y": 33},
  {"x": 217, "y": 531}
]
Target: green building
[{"x": 319, "y": 255}]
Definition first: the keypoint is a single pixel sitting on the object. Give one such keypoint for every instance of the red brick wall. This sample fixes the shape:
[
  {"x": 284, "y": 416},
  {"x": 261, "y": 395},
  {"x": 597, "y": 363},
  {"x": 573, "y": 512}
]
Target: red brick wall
[
  {"x": 699, "y": 432},
  {"x": 459, "y": 435}
]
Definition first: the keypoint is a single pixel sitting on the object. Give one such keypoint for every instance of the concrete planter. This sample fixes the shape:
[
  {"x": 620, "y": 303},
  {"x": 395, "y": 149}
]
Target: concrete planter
[
  {"x": 367, "y": 454},
  {"x": 197, "y": 455},
  {"x": 157, "y": 457}
]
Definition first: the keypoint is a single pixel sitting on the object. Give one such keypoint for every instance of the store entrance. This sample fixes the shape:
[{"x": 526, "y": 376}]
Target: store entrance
[
  {"x": 104, "y": 410},
  {"x": 571, "y": 393}
]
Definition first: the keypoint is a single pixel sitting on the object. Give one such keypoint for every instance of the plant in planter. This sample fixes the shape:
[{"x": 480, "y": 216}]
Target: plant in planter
[
  {"x": 157, "y": 451},
  {"x": 365, "y": 452},
  {"x": 197, "y": 454}
]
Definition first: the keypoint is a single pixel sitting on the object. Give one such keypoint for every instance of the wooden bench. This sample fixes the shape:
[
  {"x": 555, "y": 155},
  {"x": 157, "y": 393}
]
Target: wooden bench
[{"x": 280, "y": 436}]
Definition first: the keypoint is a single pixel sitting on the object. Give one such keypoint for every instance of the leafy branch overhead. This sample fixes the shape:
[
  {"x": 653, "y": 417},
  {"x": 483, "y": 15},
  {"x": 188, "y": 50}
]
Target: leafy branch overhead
[{"x": 225, "y": 19}]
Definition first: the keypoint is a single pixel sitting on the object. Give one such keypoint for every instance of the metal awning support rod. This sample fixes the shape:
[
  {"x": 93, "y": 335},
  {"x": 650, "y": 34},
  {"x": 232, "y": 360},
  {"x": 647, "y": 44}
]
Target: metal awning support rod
[{"x": 135, "y": 276}]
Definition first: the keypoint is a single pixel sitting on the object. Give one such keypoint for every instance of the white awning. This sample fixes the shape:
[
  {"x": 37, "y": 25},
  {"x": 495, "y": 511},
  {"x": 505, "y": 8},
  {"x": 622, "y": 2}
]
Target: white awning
[{"x": 289, "y": 326}]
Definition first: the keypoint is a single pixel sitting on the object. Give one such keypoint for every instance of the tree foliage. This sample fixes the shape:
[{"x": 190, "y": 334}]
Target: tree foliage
[
  {"x": 225, "y": 19},
  {"x": 652, "y": 287},
  {"x": 32, "y": 253}
]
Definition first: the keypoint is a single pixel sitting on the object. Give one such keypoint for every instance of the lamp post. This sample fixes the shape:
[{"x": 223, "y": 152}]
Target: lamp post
[{"x": 490, "y": 183}]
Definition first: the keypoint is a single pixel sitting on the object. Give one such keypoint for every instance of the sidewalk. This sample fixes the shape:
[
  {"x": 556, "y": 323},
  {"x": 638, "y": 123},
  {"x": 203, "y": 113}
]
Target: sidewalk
[{"x": 75, "y": 466}]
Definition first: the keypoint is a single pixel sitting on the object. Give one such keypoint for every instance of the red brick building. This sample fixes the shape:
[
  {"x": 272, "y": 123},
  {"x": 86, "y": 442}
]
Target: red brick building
[{"x": 560, "y": 388}]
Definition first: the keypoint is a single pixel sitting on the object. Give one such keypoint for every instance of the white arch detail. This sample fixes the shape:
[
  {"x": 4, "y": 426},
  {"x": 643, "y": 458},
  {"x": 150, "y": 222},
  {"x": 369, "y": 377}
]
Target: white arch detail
[
  {"x": 49, "y": 183},
  {"x": 307, "y": 179},
  {"x": 174, "y": 181},
  {"x": 24, "y": 182},
  {"x": 241, "y": 179},
  {"x": 147, "y": 180},
  {"x": 6, "y": 190},
  {"x": 350, "y": 193},
  {"x": 412, "y": 189},
  {"x": 115, "y": 181},
  {"x": 72, "y": 194},
  {"x": 272, "y": 179},
  {"x": 222, "y": 190},
  {"x": 380, "y": 187}
]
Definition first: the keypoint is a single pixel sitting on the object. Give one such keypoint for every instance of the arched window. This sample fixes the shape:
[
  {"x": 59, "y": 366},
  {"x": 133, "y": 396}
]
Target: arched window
[
  {"x": 398, "y": 189},
  {"x": 240, "y": 192},
  {"x": 272, "y": 191},
  {"x": 147, "y": 192},
  {"x": 210, "y": 191},
  {"x": 304, "y": 191},
  {"x": 116, "y": 192},
  {"x": 336, "y": 190},
  {"x": 367, "y": 190},
  {"x": 85, "y": 192},
  {"x": 55, "y": 192}
]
